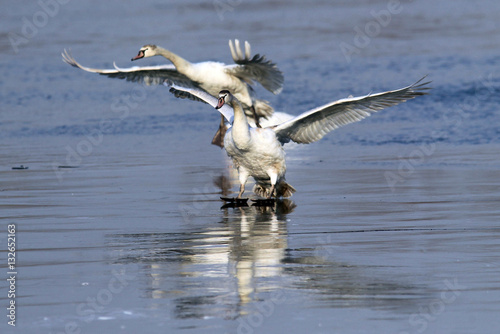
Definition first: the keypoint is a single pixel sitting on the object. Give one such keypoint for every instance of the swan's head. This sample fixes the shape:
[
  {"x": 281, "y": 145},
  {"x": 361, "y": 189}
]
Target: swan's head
[
  {"x": 224, "y": 97},
  {"x": 146, "y": 51}
]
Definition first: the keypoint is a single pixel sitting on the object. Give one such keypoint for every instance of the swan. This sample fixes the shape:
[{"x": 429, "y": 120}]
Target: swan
[
  {"x": 258, "y": 152},
  {"x": 209, "y": 76}
]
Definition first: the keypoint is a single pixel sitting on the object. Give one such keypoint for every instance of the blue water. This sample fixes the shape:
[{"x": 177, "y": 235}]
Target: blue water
[{"x": 393, "y": 229}]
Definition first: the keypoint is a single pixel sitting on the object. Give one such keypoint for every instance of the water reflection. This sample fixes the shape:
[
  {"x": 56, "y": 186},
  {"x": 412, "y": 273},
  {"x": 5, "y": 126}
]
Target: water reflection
[
  {"x": 227, "y": 268},
  {"x": 212, "y": 272}
]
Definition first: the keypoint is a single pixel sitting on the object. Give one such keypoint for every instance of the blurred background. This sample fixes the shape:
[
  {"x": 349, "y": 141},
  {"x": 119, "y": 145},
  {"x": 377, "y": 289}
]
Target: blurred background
[{"x": 394, "y": 226}]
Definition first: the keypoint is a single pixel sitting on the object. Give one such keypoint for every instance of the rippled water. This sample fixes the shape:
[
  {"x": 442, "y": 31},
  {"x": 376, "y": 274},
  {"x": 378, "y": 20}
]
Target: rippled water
[{"x": 394, "y": 227}]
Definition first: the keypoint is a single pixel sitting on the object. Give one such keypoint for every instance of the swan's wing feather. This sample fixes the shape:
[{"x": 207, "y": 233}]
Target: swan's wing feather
[
  {"x": 153, "y": 77},
  {"x": 257, "y": 68},
  {"x": 150, "y": 75},
  {"x": 201, "y": 95},
  {"x": 144, "y": 68},
  {"x": 185, "y": 95},
  {"x": 69, "y": 59},
  {"x": 314, "y": 124}
]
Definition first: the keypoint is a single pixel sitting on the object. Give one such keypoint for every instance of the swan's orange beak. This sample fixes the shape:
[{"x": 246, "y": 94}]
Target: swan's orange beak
[
  {"x": 220, "y": 103},
  {"x": 139, "y": 55}
]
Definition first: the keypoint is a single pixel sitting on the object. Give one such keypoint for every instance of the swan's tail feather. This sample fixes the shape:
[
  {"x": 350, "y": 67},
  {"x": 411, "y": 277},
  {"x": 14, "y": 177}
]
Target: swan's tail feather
[
  {"x": 283, "y": 189},
  {"x": 262, "y": 108},
  {"x": 260, "y": 190}
]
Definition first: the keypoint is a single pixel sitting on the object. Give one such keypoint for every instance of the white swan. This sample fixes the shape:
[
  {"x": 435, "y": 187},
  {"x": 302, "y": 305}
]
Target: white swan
[
  {"x": 258, "y": 152},
  {"x": 209, "y": 76}
]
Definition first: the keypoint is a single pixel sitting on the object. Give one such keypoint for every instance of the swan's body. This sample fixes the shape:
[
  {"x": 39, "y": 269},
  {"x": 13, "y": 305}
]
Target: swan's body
[
  {"x": 262, "y": 157},
  {"x": 258, "y": 152},
  {"x": 209, "y": 76}
]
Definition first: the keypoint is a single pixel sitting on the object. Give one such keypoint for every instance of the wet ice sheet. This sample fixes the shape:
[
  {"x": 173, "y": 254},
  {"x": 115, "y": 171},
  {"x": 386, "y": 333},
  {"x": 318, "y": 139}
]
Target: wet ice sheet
[
  {"x": 346, "y": 243},
  {"x": 394, "y": 227}
]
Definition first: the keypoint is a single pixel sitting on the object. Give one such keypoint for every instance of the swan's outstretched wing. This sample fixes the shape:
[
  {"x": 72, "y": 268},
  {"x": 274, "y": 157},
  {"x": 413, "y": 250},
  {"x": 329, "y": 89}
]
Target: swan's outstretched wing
[
  {"x": 314, "y": 124},
  {"x": 257, "y": 68},
  {"x": 203, "y": 96},
  {"x": 150, "y": 75},
  {"x": 183, "y": 94}
]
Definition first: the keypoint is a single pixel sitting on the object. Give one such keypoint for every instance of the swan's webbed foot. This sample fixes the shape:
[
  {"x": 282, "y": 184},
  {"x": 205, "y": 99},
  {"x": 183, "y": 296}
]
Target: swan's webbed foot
[
  {"x": 234, "y": 202},
  {"x": 234, "y": 199},
  {"x": 263, "y": 202}
]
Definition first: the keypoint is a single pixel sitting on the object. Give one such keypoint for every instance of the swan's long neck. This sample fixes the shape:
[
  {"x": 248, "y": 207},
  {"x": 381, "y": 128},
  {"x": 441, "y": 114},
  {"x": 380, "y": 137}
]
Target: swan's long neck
[
  {"x": 180, "y": 63},
  {"x": 241, "y": 131}
]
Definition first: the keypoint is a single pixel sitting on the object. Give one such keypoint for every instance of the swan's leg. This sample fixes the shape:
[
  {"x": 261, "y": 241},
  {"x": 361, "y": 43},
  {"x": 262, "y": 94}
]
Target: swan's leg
[
  {"x": 242, "y": 190},
  {"x": 255, "y": 116},
  {"x": 274, "y": 178},
  {"x": 243, "y": 177}
]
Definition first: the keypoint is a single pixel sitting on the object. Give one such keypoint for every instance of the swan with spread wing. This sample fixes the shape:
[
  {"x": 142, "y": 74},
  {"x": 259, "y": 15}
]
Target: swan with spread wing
[
  {"x": 208, "y": 76},
  {"x": 258, "y": 152}
]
